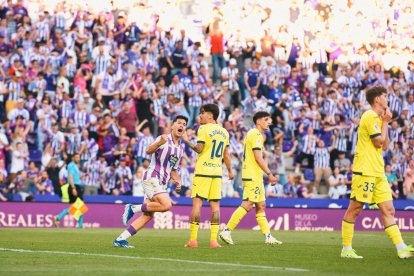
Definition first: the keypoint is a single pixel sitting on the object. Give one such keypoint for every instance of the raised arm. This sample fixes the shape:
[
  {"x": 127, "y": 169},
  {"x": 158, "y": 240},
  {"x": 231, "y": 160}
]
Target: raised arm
[
  {"x": 199, "y": 146},
  {"x": 382, "y": 140},
  {"x": 157, "y": 144}
]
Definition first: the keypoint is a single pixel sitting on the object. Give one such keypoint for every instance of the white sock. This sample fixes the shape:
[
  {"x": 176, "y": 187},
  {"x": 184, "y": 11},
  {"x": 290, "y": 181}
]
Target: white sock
[
  {"x": 268, "y": 235},
  {"x": 347, "y": 248},
  {"x": 136, "y": 208},
  {"x": 124, "y": 235},
  {"x": 400, "y": 246}
]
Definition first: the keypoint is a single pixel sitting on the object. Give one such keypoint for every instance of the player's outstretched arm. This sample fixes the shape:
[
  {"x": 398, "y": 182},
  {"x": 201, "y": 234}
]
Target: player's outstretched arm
[
  {"x": 161, "y": 140},
  {"x": 381, "y": 141}
]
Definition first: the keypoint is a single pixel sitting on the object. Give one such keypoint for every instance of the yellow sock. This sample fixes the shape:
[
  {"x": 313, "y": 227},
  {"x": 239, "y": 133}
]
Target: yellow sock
[
  {"x": 262, "y": 221},
  {"x": 236, "y": 218},
  {"x": 193, "y": 231},
  {"x": 394, "y": 233},
  {"x": 214, "y": 228},
  {"x": 347, "y": 233}
]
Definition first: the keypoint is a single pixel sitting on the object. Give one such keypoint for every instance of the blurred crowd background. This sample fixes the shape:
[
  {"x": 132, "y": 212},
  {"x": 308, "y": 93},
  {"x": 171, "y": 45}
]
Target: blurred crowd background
[{"x": 105, "y": 80}]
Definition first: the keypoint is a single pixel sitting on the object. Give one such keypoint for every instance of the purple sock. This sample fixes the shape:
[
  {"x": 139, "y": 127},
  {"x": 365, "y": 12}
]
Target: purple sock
[
  {"x": 131, "y": 230},
  {"x": 144, "y": 207}
]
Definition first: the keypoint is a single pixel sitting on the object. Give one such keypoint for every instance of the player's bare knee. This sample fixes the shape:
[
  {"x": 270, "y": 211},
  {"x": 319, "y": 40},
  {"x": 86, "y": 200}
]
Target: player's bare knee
[
  {"x": 353, "y": 212},
  {"x": 388, "y": 211},
  {"x": 150, "y": 215},
  {"x": 356, "y": 211},
  {"x": 247, "y": 205},
  {"x": 166, "y": 206},
  {"x": 260, "y": 207}
]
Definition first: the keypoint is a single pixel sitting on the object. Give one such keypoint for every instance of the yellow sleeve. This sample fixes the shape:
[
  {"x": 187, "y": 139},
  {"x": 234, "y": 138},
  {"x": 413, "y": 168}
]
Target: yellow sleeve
[
  {"x": 373, "y": 126},
  {"x": 257, "y": 142},
  {"x": 201, "y": 135}
]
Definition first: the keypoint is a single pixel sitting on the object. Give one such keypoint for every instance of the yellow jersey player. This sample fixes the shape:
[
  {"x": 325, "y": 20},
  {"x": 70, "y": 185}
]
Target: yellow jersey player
[
  {"x": 369, "y": 183},
  {"x": 212, "y": 143},
  {"x": 253, "y": 187}
]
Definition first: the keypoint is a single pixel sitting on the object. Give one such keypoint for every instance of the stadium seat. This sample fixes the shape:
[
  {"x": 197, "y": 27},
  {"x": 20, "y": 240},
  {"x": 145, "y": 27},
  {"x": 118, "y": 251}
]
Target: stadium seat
[
  {"x": 287, "y": 145},
  {"x": 35, "y": 155},
  {"x": 309, "y": 175}
]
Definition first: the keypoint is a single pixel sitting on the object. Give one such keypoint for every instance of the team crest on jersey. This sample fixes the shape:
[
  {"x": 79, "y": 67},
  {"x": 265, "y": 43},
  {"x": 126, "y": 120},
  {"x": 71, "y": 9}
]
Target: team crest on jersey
[
  {"x": 258, "y": 141},
  {"x": 172, "y": 160},
  {"x": 376, "y": 127}
]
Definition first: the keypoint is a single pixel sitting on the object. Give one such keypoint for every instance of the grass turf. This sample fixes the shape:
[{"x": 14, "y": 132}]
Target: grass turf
[{"x": 317, "y": 252}]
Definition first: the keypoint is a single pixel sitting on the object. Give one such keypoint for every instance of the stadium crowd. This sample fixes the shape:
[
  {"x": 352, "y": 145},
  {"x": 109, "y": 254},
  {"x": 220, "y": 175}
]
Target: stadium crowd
[{"x": 105, "y": 84}]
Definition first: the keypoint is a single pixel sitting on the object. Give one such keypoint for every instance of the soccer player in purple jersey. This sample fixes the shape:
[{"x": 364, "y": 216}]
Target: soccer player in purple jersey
[{"x": 166, "y": 154}]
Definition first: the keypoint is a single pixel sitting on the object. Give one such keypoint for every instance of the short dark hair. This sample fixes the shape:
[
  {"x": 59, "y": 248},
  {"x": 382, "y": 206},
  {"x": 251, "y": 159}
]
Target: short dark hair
[
  {"x": 374, "y": 92},
  {"x": 213, "y": 109},
  {"x": 259, "y": 115},
  {"x": 180, "y": 117}
]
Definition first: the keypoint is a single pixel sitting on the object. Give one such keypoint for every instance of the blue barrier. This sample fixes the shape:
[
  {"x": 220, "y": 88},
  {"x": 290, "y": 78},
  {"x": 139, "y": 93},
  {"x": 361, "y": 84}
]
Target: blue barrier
[{"x": 231, "y": 202}]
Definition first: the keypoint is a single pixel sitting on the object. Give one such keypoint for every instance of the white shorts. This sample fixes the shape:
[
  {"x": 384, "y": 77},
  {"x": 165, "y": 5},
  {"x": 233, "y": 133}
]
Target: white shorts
[{"x": 152, "y": 187}]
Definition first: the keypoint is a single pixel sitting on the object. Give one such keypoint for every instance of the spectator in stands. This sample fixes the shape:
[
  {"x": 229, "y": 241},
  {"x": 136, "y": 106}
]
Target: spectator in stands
[
  {"x": 229, "y": 76},
  {"x": 4, "y": 146},
  {"x": 52, "y": 170},
  {"x": 393, "y": 180},
  {"x": 186, "y": 179},
  {"x": 408, "y": 187},
  {"x": 277, "y": 161},
  {"x": 67, "y": 66},
  {"x": 276, "y": 190},
  {"x": 322, "y": 164},
  {"x": 19, "y": 156},
  {"x": 342, "y": 163},
  {"x": 6, "y": 189},
  {"x": 308, "y": 149},
  {"x": 44, "y": 185},
  {"x": 301, "y": 190},
  {"x": 127, "y": 119},
  {"x": 137, "y": 189},
  {"x": 337, "y": 187}
]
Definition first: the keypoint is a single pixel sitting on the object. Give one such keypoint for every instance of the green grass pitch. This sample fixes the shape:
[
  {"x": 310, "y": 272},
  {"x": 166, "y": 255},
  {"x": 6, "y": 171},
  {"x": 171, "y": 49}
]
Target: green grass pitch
[{"x": 69, "y": 251}]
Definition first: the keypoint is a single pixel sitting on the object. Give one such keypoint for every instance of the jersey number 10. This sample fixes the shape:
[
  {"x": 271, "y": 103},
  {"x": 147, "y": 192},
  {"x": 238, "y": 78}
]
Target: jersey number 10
[{"x": 218, "y": 153}]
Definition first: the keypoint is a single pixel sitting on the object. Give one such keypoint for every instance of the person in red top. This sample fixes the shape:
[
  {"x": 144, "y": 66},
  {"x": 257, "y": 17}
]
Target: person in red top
[
  {"x": 217, "y": 49},
  {"x": 128, "y": 119}
]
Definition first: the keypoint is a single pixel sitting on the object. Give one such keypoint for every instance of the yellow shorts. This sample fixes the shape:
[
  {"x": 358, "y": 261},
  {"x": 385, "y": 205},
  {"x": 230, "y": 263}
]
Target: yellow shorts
[
  {"x": 207, "y": 188},
  {"x": 370, "y": 189},
  {"x": 253, "y": 191}
]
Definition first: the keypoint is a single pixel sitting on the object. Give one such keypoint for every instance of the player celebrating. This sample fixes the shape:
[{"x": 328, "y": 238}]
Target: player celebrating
[
  {"x": 252, "y": 174},
  {"x": 212, "y": 142},
  {"x": 369, "y": 183},
  {"x": 166, "y": 156}
]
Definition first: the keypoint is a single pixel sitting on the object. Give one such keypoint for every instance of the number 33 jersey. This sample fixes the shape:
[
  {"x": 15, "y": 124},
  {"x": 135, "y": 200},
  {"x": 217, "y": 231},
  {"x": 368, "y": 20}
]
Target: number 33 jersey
[
  {"x": 215, "y": 140},
  {"x": 251, "y": 170}
]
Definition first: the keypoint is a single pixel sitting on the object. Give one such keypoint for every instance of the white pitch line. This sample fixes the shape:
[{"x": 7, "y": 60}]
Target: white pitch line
[{"x": 155, "y": 259}]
